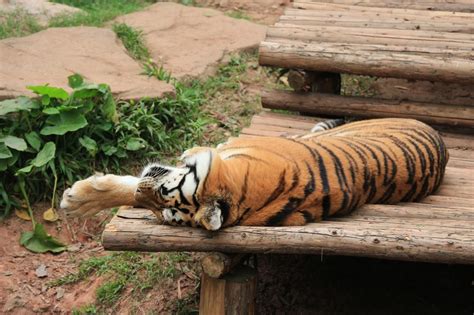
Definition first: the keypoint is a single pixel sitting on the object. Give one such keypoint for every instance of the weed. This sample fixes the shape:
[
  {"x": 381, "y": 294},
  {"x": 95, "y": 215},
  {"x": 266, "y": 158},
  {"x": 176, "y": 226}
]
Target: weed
[
  {"x": 96, "y": 13},
  {"x": 238, "y": 14},
  {"x": 133, "y": 41},
  {"x": 135, "y": 271},
  {"x": 18, "y": 23},
  {"x": 85, "y": 310},
  {"x": 357, "y": 85}
]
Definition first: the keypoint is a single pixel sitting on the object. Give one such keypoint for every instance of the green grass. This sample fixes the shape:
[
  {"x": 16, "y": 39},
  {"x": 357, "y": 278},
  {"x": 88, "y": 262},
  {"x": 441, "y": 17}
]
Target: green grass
[
  {"x": 128, "y": 270},
  {"x": 237, "y": 14},
  {"x": 96, "y": 13},
  {"x": 18, "y": 23},
  {"x": 133, "y": 41}
]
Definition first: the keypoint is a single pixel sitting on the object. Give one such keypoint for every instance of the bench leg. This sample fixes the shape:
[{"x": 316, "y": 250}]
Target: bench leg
[{"x": 233, "y": 294}]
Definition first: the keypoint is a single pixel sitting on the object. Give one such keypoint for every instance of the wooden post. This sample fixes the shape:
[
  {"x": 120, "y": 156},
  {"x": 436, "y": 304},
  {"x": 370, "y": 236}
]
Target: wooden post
[
  {"x": 233, "y": 294},
  {"x": 216, "y": 265}
]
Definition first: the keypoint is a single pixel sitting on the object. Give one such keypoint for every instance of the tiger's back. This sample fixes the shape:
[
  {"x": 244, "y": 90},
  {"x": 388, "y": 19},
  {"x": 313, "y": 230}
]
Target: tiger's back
[{"x": 278, "y": 181}]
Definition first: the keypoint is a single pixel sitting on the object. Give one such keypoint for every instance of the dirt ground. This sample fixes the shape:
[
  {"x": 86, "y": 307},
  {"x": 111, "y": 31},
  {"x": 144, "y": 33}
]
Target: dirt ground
[{"x": 22, "y": 290}]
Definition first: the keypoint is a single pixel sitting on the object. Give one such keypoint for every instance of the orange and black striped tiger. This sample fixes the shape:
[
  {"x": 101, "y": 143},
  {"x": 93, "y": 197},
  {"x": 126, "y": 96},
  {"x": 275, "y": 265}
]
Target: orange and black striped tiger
[{"x": 280, "y": 181}]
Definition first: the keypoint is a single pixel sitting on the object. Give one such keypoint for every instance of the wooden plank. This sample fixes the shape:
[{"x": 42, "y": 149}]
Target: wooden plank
[
  {"x": 411, "y": 38},
  {"x": 435, "y": 207},
  {"x": 418, "y": 63},
  {"x": 424, "y": 91},
  {"x": 380, "y": 240},
  {"x": 442, "y": 5},
  {"x": 327, "y": 104},
  {"x": 449, "y": 201}
]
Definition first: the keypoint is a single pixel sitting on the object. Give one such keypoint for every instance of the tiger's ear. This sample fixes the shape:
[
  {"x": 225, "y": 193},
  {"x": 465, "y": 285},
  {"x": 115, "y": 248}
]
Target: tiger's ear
[
  {"x": 203, "y": 161},
  {"x": 156, "y": 170}
]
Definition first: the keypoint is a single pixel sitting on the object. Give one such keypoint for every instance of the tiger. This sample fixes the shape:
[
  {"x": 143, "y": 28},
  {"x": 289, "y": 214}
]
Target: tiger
[{"x": 279, "y": 181}]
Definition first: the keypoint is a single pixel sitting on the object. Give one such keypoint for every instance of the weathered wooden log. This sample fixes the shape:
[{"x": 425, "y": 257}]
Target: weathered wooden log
[
  {"x": 419, "y": 63},
  {"x": 234, "y": 294},
  {"x": 387, "y": 240},
  {"x": 300, "y": 81},
  {"x": 407, "y": 38},
  {"x": 216, "y": 265},
  {"x": 369, "y": 107},
  {"x": 441, "y": 5}
]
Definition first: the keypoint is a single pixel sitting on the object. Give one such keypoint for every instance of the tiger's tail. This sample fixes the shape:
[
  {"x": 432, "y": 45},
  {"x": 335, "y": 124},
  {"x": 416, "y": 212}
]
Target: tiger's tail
[{"x": 328, "y": 124}]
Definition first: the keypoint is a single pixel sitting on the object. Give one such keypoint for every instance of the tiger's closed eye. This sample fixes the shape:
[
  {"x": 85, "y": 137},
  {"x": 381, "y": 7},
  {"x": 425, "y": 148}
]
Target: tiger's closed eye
[{"x": 163, "y": 190}]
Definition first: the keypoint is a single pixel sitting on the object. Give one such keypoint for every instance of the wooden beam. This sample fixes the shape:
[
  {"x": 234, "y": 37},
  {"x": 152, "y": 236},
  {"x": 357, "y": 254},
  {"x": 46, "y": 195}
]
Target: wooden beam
[
  {"x": 402, "y": 5},
  {"x": 418, "y": 63},
  {"x": 455, "y": 42},
  {"x": 388, "y": 240},
  {"x": 369, "y": 107}
]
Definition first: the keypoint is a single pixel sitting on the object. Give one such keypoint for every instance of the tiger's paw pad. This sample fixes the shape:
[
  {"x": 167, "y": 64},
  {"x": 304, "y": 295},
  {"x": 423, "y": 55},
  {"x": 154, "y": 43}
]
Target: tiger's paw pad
[{"x": 210, "y": 218}]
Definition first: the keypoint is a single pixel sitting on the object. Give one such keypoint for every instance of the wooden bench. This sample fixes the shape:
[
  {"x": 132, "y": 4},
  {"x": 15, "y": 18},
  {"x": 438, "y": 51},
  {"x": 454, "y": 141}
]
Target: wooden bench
[{"x": 319, "y": 40}]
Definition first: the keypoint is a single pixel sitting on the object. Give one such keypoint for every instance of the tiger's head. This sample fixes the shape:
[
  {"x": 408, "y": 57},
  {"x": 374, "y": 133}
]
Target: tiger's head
[{"x": 175, "y": 192}]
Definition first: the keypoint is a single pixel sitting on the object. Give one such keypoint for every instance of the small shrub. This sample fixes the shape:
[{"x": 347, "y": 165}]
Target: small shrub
[{"x": 61, "y": 137}]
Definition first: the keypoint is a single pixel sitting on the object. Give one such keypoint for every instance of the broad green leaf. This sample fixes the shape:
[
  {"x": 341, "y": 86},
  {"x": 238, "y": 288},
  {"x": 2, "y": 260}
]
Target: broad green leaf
[
  {"x": 86, "y": 92},
  {"x": 52, "y": 92},
  {"x": 25, "y": 170},
  {"x": 16, "y": 105},
  {"x": 106, "y": 126},
  {"x": 75, "y": 80},
  {"x": 34, "y": 140},
  {"x": 51, "y": 111},
  {"x": 45, "y": 155},
  {"x": 110, "y": 109},
  {"x": 134, "y": 144},
  {"x": 14, "y": 142},
  {"x": 66, "y": 121},
  {"x": 3, "y": 164},
  {"x": 109, "y": 149},
  {"x": 5, "y": 153},
  {"x": 45, "y": 100},
  {"x": 89, "y": 144},
  {"x": 41, "y": 242}
]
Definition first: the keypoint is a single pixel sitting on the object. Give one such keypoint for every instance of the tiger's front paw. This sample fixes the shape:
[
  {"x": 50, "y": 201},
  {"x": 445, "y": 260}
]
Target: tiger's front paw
[
  {"x": 89, "y": 196},
  {"x": 210, "y": 217}
]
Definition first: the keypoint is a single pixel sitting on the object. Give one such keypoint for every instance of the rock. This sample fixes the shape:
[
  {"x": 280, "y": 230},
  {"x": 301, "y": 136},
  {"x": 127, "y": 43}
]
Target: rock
[
  {"x": 41, "y": 9},
  {"x": 191, "y": 41},
  {"x": 50, "y": 56},
  {"x": 60, "y": 293},
  {"x": 74, "y": 247},
  {"x": 41, "y": 271},
  {"x": 13, "y": 301}
]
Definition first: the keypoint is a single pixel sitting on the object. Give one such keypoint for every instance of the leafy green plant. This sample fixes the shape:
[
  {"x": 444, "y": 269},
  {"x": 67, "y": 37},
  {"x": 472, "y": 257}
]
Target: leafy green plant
[{"x": 60, "y": 137}]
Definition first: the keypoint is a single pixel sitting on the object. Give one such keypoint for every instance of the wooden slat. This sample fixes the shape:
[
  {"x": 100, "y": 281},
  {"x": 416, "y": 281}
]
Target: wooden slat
[
  {"x": 417, "y": 63},
  {"x": 376, "y": 239},
  {"x": 435, "y": 207},
  {"x": 442, "y": 5},
  {"x": 442, "y": 40},
  {"x": 318, "y": 103}
]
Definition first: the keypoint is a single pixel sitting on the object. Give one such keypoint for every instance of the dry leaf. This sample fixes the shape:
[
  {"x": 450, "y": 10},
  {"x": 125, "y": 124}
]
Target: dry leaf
[
  {"x": 22, "y": 214},
  {"x": 50, "y": 215}
]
